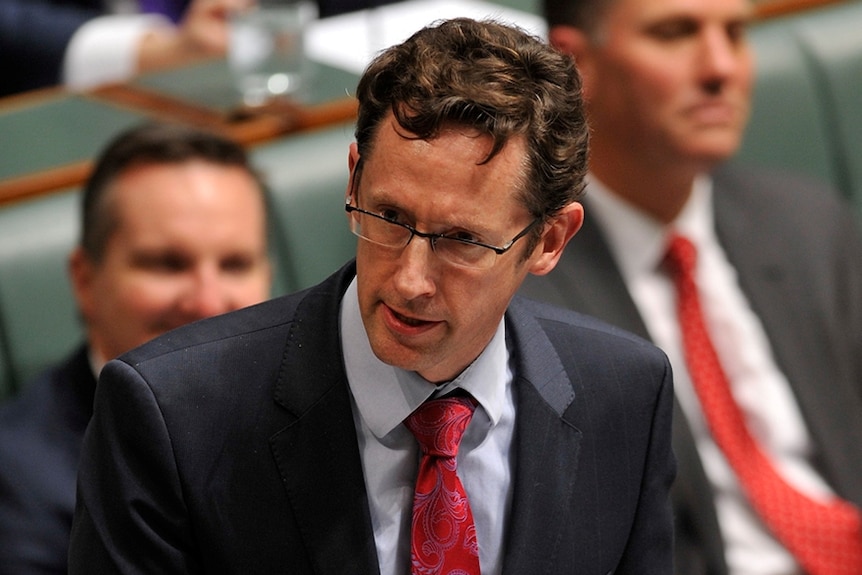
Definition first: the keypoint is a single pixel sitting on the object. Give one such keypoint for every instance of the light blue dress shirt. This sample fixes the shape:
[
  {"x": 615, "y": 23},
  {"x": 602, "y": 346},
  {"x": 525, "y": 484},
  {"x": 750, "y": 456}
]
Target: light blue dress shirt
[{"x": 383, "y": 396}]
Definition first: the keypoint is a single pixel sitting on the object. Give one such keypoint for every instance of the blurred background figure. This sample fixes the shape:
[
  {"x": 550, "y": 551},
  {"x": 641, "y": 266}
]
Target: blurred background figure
[
  {"x": 776, "y": 266},
  {"x": 173, "y": 230},
  {"x": 83, "y": 43}
]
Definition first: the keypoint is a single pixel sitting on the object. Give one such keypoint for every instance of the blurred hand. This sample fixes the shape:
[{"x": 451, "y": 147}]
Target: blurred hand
[
  {"x": 202, "y": 33},
  {"x": 205, "y": 25}
]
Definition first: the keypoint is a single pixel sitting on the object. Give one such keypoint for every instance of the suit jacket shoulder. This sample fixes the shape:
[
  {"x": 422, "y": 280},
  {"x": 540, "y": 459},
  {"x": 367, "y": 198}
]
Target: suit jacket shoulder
[{"x": 596, "y": 401}]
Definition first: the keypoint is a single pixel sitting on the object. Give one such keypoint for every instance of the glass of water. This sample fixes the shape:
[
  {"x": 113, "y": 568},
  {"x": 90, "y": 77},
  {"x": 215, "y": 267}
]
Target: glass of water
[{"x": 266, "y": 53}]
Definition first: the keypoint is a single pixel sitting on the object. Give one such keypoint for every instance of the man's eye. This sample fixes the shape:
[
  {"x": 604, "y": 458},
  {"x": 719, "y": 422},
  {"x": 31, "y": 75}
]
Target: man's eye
[
  {"x": 736, "y": 32},
  {"x": 390, "y": 214},
  {"x": 672, "y": 29},
  {"x": 162, "y": 263},
  {"x": 464, "y": 236},
  {"x": 237, "y": 264}
]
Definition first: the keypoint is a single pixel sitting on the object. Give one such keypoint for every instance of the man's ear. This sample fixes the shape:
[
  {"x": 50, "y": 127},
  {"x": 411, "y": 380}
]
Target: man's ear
[
  {"x": 352, "y": 161},
  {"x": 568, "y": 40},
  {"x": 81, "y": 276},
  {"x": 556, "y": 236},
  {"x": 574, "y": 42}
]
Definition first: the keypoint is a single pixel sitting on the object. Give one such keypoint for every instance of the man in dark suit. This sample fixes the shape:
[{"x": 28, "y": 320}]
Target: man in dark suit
[
  {"x": 173, "y": 230},
  {"x": 275, "y": 439},
  {"x": 779, "y": 272}
]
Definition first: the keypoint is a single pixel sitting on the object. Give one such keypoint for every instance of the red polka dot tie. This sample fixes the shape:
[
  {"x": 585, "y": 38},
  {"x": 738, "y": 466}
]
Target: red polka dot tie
[
  {"x": 443, "y": 536},
  {"x": 824, "y": 536}
]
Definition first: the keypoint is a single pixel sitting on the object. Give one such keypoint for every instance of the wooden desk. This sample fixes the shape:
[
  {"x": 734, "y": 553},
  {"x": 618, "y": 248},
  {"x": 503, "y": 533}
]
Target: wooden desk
[{"x": 50, "y": 137}]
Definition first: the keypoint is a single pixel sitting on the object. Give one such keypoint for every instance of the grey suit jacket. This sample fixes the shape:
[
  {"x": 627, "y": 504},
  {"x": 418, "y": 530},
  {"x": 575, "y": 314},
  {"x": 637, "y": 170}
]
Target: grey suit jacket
[
  {"x": 229, "y": 446},
  {"x": 798, "y": 255}
]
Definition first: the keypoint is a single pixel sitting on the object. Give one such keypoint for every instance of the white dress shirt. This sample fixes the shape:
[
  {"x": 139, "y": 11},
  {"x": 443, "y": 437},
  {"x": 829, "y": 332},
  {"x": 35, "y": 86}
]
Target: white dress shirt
[
  {"x": 638, "y": 244},
  {"x": 383, "y": 396}
]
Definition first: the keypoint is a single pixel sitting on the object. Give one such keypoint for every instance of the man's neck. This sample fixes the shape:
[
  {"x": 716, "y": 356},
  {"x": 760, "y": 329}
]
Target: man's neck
[
  {"x": 96, "y": 360},
  {"x": 660, "y": 189}
]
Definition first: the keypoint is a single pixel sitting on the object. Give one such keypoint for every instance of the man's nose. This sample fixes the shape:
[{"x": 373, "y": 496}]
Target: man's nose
[
  {"x": 417, "y": 264},
  {"x": 721, "y": 55},
  {"x": 206, "y": 295}
]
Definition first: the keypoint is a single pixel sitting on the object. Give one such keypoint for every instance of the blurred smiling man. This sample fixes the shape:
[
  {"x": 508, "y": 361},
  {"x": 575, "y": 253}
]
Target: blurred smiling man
[
  {"x": 174, "y": 230},
  {"x": 168, "y": 241}
]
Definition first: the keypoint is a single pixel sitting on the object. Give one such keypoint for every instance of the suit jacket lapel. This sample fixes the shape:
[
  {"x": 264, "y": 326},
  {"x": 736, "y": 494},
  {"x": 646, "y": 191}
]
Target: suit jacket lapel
[
  {"x": 317, "y": 453},
  {"x": 542, "y": 491}
]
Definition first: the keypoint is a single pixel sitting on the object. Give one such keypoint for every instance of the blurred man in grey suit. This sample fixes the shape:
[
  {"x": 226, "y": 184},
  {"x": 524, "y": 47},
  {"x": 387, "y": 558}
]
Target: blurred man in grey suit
[{"x": 779, "y": 271}]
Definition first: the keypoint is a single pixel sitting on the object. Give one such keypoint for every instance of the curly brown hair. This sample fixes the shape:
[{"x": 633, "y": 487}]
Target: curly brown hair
[{"x": 491, "y": 77}]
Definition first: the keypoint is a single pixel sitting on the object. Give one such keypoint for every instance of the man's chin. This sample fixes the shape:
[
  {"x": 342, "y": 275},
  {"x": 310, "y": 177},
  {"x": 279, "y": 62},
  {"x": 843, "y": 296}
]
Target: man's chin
[{"x": 707, "y": 154}]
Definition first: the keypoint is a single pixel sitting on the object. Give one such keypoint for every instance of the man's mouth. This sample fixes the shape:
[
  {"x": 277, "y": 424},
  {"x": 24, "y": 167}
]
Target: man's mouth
[
  {"x": 411, "y": 321},
  {"x": 407, "y": 324},
  {"x": 715, "y": 112}
]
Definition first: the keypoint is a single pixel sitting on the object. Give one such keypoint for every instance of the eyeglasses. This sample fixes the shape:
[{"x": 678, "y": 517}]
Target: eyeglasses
[{"x": 455, "y": 250}]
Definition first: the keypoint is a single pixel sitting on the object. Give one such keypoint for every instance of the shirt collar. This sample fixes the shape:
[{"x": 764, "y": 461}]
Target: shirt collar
[
  {"x": 385, "y": 395},
  {"x": 637, "y": 239},
  {"x": 96, "y": 361}
]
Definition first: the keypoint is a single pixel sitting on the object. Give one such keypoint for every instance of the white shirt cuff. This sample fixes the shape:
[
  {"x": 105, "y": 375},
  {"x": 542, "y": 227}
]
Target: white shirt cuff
[{"x": 105, "y": 49}]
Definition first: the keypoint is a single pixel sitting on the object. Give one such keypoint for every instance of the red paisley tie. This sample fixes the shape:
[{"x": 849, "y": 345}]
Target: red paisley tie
[
  {"x": 443, "y": 534},
  {"x": 825, "y": 537}
]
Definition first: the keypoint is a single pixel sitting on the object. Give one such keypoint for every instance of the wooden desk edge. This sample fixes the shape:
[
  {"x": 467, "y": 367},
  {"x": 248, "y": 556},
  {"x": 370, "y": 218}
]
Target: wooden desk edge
[
  {"x": 775, "y": 8},
  {"x": 44, "y": 182},
  {"x": 255, "y": 129}
]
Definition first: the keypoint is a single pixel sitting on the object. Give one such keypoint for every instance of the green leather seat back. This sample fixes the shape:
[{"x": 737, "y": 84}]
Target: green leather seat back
[
  {"x": 832, "y": 41},
  {"x": 307, "y": 178},
  {"x": 807, "y": 107},
  {"x": 38, "y": 319},
  {"x": 787, "y": 129}
]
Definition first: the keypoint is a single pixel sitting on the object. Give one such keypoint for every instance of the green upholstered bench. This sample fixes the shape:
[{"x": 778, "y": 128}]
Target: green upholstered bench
[
  {"x": 38, "y": 320},
  {"x": 807, "y": 112},
  {"x": 832, "y": 41},
  {"x": 306, "y": 178}
]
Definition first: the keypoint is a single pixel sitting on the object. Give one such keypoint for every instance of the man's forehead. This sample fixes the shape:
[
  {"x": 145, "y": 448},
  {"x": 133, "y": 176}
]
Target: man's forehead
[
  {"x": 391, "y": 132},
  {"x": 466, "y": 144},
  {"x": 656, "y": 10}
]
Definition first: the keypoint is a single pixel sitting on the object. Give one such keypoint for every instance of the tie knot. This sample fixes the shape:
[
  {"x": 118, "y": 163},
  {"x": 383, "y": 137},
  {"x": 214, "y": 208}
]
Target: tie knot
[
  {"x": 439, "y": 424},
  {"x": 681, "y": 255}
]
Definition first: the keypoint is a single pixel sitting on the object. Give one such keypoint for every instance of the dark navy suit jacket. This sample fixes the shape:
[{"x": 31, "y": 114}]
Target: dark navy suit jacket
[
  {"x": 40, "y": 442},
  {"x": 798, "y": 256},
  {"x": 33, "y": 39},
  {"x": 229, "y": 446}
]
